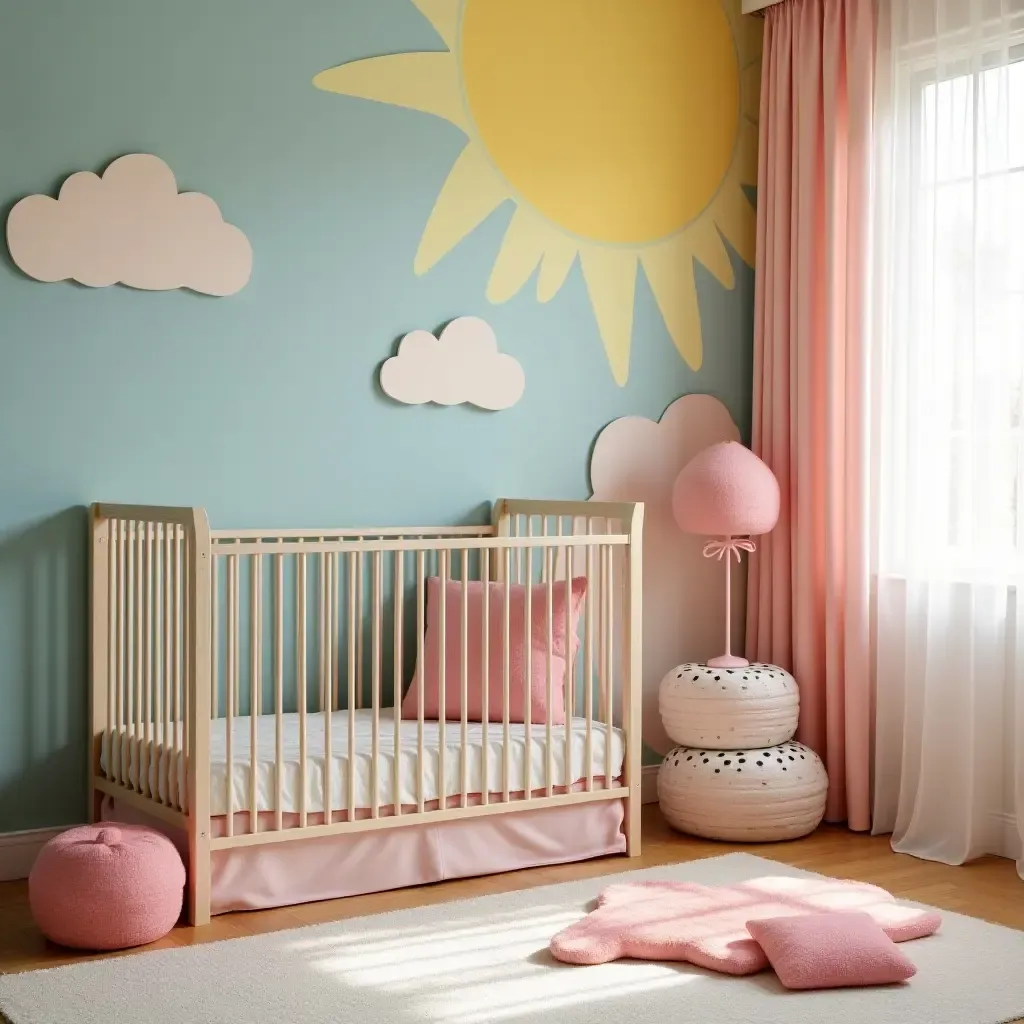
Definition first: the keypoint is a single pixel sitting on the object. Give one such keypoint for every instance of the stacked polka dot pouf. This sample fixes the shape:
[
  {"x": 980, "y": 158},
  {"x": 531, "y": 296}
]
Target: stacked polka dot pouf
[{"x": 738, "y": 775}]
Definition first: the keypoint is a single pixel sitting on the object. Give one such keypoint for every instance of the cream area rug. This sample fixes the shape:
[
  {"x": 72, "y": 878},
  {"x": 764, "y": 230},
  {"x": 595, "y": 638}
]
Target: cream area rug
[{"x": 486, "y": 960}]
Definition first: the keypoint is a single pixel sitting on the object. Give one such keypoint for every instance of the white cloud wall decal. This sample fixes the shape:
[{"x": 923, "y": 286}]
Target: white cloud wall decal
[
  {"x": 131, "y": 226},
  {"x": 462, "y": 365},
  {"x": 638, "y": 459}
]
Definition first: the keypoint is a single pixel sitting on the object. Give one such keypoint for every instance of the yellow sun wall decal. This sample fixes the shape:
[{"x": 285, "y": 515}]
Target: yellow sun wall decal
[{"x": 622, "y": 130}]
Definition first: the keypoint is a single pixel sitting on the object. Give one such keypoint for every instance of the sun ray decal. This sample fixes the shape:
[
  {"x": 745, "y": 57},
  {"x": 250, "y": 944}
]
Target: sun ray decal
[{"x": 621, "y": 132}]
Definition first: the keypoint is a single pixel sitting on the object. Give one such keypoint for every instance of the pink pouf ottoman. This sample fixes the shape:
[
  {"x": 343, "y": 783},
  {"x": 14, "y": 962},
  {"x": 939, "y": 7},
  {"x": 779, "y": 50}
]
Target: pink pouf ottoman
[{"x": 107, "y": 887}]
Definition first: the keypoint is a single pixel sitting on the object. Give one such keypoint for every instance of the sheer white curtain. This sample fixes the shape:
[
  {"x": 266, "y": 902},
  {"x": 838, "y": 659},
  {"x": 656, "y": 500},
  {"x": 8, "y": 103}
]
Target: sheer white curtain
[{"x": 949, "y": 459}]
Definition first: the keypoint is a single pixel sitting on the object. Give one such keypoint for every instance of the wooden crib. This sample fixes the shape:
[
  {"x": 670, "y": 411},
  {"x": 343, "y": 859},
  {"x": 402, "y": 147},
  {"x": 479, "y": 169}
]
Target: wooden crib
[{"x": 247, "y": 685}]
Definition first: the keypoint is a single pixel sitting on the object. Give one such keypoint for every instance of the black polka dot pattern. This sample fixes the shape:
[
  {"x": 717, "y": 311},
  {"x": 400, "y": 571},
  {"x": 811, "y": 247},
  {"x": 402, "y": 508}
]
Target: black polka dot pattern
[
  {"x": 694, "y": 702},
  {"x": 726, "y": 763}
]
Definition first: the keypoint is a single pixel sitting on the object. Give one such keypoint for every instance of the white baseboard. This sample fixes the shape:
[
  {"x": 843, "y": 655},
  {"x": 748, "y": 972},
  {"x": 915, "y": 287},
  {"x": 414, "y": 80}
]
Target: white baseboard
[
  {"x": 649, "y": 783},
  {"x": 18, "y": 850},
  {"x": 1009, "y": 837}
]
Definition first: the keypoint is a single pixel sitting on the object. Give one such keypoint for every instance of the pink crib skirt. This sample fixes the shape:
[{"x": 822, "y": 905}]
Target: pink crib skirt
[{"x": 304, "y": 870}]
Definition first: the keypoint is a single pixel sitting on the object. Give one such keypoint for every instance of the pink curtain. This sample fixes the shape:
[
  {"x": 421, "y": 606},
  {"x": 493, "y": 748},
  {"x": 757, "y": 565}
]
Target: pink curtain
[{"x": 809, "y": 583}]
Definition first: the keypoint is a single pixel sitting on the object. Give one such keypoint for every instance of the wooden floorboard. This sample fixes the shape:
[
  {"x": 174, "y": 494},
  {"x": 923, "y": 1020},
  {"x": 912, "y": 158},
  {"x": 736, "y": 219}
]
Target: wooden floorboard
[{"x": 988, "y": 888}]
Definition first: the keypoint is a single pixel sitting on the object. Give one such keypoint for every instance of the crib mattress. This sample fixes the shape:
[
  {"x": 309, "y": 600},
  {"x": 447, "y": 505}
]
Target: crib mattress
[{"x": 410, "y": 769}]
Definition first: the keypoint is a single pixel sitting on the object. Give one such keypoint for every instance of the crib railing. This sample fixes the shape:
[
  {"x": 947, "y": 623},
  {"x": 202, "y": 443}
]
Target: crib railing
[{"x": 244, "y": 635}]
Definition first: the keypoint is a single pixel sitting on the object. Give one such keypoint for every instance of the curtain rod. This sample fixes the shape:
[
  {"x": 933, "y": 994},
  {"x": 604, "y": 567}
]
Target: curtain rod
[{"x": 757, "y": 6}]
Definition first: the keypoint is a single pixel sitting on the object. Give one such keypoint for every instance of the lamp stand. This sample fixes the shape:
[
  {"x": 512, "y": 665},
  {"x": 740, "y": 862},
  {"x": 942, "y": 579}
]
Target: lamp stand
[{"x": 726, "y": 548}]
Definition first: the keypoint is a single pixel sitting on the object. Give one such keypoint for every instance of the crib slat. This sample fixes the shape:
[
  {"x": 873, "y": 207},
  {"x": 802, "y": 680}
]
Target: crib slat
[
  {"x": 117, "y": 661},
  {"x": 256, "y": 638},
  {"x": 165, "y": 632},
  {"x": 521, "y": 551},
  {"x": 505, "y": 634},
  {"x": 352, "y": 759},
  {"x": 485, "y": 679},
  {"x": 238, "y": 670},
  {"x": 399, "y": 674},
  {"x": 300, "y": 685},
  {"x": 608, "y": 590},
  {"x": 161, "y": 654},
  {"x": 588, "y": 667},
  {"x": 544, "y": 554},
  {"x": 335, "y": 632},
  {"x": 421, "y": 621},
  {"x": 188, "y": 740},
  {"x": 214, "y": 625},
  {"x": 108, "y": 681},
  {"x": 378, "y": 602},
  {"x": 156, "y": 664},
  {"x": 121, "y": 702},
  {"x": 215, "y": 638},
  {"x": 565, "y": 554},
  {"x": 442, "y": 632},
  {"x": 278, "y": 691},
  {"x": 231, "y": 691},
  {"x": 139, "y": 584},
  {"x": 360, "y": 586},
  {"x": 569, "y": 689},
  {"x": 157, "y": 751},
  {"x": 464, "y": 665},
  {"x": 602, "y": 568},
  {"x": 321, "y": 622},
  {"x": 330, "y": 658},
  {"x": 528, "y": 673},
  {"x": 128, "y": 739},
  {"x": 145, "y": 760},
  {"x": 176, "y": 669},
  {"x": 322, "y": 668},
  {"x": 549, "y": 746}
]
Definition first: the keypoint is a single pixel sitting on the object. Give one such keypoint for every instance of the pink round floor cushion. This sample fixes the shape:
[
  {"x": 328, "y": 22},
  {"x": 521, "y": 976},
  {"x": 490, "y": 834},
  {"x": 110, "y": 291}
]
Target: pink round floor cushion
[
  {"x": 107, "y": 887},
  {"x": 711, "y": 926}
]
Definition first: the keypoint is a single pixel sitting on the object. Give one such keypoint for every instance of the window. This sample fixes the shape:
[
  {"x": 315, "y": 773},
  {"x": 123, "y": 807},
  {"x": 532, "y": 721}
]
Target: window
[{"x": 953, "y": 382}]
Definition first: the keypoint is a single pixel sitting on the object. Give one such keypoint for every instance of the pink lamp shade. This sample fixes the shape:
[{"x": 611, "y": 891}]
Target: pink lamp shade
[{"x": 726, "y": 491}]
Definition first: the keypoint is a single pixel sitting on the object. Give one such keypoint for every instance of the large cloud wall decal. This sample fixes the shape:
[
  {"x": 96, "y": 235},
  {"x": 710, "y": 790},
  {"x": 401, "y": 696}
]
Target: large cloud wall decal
[
  {"x": 129, "y": 226},
  {"x": 462, "y": 365},
  {"x": 638, "y": 459}
]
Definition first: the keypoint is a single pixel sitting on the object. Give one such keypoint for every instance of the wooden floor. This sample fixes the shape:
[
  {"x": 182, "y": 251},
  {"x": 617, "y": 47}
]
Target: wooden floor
[{"x": 988, "y": 888}]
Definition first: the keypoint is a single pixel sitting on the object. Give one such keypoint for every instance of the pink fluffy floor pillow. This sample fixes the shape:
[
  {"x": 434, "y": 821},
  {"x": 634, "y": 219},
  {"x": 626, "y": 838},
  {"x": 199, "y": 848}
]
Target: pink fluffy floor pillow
[
  {"x": 708, "y": 925},
  {"x": 107, "y": 887}
]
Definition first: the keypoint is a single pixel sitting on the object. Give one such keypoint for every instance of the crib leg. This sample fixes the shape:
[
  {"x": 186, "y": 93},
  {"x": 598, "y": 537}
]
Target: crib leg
[
  {"x": 199, "y": 883},
  {"x": 95, "y": 806},
  {"x": 633, "y": 806}
]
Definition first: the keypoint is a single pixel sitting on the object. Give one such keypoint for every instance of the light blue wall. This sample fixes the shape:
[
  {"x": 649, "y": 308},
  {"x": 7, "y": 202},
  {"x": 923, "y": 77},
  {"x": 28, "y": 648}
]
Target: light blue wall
[{"x": 262, "y": 407}]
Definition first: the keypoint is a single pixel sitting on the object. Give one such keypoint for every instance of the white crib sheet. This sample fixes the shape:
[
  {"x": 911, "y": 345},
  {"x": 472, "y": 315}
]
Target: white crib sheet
[{"x": 408, "y": 760}]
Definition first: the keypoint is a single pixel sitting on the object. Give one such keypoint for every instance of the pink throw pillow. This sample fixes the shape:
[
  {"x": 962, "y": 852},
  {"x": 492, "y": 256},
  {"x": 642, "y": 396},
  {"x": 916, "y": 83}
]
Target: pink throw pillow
[
  {"x": 563, "y": 645},
  {"x": 832, "y": 950}
]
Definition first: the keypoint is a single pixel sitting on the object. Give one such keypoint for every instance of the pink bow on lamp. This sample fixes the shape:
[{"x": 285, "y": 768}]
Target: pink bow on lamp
[
  {"x": 726, "y": 492},
  {"x": 728, "y": 546}
]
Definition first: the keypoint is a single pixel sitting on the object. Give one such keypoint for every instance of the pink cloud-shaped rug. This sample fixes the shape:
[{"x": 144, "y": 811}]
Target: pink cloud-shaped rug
[{"x": 707, "y": 925}]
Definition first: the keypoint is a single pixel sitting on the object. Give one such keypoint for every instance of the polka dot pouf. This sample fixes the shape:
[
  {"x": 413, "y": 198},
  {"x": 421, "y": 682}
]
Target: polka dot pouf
[
  {"x": 737, "y": 774},
  {"x": 758, "y": 794},
  {"x": 736, "y": 707}
]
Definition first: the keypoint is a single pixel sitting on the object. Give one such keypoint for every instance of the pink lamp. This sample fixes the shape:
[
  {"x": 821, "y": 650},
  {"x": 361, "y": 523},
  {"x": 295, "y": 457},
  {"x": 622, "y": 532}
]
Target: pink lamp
[{"x": 727, "y": 492}]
